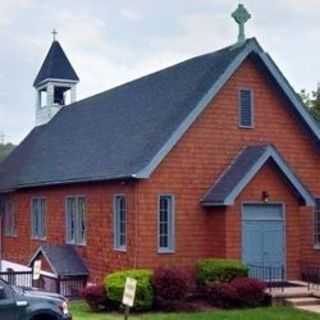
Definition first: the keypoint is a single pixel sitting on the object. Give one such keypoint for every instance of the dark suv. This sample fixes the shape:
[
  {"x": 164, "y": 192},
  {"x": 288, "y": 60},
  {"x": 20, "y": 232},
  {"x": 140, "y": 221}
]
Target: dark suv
[{"x": 28, "y": 304}]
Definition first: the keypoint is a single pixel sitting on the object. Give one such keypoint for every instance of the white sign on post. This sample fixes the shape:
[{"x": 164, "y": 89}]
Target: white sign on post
[
  {"x": 37, "y": 269},
  {"x": 129, "y": 292}
]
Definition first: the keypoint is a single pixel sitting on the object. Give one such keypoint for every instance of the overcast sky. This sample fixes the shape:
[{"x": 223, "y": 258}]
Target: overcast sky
[{"x": 111, "y": 42}]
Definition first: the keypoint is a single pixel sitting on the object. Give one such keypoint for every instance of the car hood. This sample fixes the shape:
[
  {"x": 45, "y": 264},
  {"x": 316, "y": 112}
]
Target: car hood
[{"x": 38, "y": 294}]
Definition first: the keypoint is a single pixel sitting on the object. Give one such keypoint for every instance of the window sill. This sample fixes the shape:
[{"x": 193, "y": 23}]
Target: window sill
[
  {"x": 123, "y": 250},
  {"x": 316, "y": 247},
  {"x": 166, "y": 251},
  {"x": 39, "y": 239},
  {"x": 246, "y": 127},
  {"x": 14, "y": 236},
  {"x": 77, "y": 244}
]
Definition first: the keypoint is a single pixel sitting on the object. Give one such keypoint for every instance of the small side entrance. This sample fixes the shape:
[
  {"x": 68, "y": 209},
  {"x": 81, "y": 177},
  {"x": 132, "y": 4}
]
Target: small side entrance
[{"x": 263, "y": 241}]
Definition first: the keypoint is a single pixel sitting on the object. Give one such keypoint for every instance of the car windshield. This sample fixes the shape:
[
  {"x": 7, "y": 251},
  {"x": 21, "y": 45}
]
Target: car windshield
[
  {"x": 16, "y": 289},
  {"x": 3, "y": 283}
]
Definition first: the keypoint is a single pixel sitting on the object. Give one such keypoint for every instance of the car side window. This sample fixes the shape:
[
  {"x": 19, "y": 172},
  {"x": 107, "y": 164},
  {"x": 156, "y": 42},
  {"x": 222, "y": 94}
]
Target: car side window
[
  {"x": 3, "y": 294},
  {"x": 4, "y": 290}
]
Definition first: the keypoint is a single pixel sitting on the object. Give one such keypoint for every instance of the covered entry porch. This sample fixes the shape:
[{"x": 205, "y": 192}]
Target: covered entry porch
[{"x": 263, "y": 202}]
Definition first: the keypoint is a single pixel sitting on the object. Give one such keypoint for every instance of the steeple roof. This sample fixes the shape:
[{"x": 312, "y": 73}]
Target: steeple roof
[{"x": 56, "y": 66}]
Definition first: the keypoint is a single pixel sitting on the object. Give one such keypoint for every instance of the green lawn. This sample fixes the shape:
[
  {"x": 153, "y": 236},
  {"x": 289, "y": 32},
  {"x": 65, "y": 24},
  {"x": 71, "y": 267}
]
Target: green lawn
[{"x": 80, "y": 311}]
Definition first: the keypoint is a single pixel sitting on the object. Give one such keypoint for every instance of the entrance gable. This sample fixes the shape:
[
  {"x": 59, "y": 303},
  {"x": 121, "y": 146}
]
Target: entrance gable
[{"x": 244, "y": 168}]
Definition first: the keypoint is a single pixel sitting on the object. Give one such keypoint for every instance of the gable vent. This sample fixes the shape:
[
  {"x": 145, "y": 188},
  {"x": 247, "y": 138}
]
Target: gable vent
[{"x": 246, "y": 108}]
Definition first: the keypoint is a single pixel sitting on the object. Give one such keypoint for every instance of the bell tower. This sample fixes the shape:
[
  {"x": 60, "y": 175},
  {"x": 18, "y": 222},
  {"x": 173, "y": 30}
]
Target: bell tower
[{"x": 55, "y": 84}]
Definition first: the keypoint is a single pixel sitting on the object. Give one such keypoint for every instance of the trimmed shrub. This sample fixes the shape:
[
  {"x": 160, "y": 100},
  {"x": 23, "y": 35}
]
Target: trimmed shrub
[
  {"x": 240, "y": 292},
  {"x": 172, "y": 286},
  {"x": 115, "y": 283},
  {"x": 251, "y": 292},
  {"x": 219, "y": 270},
  {"x": 95, "y": 296},
  {"x": 222, "y": 295},
  {"x": 172, "y": 283}
]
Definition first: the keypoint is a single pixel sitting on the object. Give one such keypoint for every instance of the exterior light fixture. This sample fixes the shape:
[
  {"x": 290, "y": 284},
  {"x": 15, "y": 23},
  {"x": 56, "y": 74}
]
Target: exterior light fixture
[{"x": 265, "y": 196}]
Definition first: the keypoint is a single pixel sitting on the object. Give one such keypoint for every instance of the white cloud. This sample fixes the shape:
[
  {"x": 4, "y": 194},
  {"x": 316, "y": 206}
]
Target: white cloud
[
  {"x": 10, "y": 8},
  {"x": 112, "y": 42},
  {"x": 131, "y": 15}
]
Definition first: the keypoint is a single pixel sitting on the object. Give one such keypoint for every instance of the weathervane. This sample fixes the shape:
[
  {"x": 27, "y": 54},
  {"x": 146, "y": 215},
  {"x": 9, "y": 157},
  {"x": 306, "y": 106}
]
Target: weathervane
[
  {"x": 241, "y": 16},
  {"x": 54, "y": 34}
]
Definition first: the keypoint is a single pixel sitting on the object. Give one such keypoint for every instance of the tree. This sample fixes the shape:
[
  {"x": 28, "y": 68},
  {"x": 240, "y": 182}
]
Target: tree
[
  {"x": 312, "y": 101},
  {"x": 5, "y": 149}
]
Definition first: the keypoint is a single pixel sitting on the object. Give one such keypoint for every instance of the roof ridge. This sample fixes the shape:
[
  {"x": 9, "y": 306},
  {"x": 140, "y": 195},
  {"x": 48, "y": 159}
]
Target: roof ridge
[{"x": 154, "y": 73}]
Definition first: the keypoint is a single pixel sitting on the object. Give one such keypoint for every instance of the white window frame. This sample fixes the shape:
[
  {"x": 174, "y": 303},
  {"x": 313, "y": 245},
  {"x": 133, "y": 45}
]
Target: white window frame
[
  {"x": 43, "y": 216},
  {"x": 10, "y": 226},
  {"x": 77, "y": 239},
  {"x": 117, "y": 245},
  {"x": 171, "y": 247},
  {"x": 251, "y": 126}
]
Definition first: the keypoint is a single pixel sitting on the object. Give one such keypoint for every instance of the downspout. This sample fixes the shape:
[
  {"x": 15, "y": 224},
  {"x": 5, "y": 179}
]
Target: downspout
[
  {"x": 135, "y": 189},
  {"x": 2, "y": 206},
  {"x": 1, "y": 239},
  {"x": 136, "y": 223}
]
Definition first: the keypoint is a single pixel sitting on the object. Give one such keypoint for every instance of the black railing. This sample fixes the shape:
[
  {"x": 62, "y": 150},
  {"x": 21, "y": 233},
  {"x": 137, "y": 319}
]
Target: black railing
[
  {"x": 273, "y": 276},
  {"x": 18, "y": 278},
  {"x": 310, "y": 273},
  {"x": 69, "y": 287}
]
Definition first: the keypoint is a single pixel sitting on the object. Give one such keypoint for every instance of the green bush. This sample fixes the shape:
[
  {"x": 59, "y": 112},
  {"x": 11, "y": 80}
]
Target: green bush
[
  {"x": 115, "y": 283},
  {"x": 219, "y": 270}
]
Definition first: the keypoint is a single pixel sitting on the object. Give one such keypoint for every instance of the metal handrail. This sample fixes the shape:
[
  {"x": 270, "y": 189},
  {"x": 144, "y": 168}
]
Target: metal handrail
[
  {"x": 310, "y": 273},
  {"x": 268, "y": 274}
]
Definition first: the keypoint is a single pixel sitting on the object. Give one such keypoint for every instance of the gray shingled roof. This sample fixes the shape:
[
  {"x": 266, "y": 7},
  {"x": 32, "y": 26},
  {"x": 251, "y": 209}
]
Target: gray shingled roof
[
  {"x": 56, "y": 66},
  {"x": 243, "y": 168},
  {"x": 125, "y": 132},
  {"x": 233, "y": 174},
  {"x": 116, "y": 133},
  {"x": 63, "y": 259}
]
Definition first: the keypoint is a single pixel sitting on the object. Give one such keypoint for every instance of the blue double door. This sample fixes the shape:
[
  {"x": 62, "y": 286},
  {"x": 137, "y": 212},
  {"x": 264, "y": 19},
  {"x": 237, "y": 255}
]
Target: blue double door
[{"x": 263, "y": 241}]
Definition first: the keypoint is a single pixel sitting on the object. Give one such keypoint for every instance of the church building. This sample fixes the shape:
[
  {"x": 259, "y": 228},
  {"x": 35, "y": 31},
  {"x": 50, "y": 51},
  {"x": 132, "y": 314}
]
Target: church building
[{"x": 213, "y": 157}]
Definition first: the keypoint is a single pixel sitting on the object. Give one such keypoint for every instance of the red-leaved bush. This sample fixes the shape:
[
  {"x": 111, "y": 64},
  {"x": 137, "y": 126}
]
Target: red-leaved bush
[
  {"x": 95, "y": 296},
  {"x": 222, "y": 295},
  {"x": 251, "y": 292},
  {"x": 172, "y": 286},
  {"x": 240, "y": 292}
]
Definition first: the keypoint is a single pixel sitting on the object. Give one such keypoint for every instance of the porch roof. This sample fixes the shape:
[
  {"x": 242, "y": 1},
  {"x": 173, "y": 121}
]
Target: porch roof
[
  {"x": 63, "y": 260},
  {"x": 243, "y": 168}
]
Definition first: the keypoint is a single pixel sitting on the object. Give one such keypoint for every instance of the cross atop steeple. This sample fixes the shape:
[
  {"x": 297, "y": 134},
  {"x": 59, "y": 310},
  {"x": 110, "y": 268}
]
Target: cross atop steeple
[
  {"x": 241, "y": 16},
  {"x": 54, "y": 34}
]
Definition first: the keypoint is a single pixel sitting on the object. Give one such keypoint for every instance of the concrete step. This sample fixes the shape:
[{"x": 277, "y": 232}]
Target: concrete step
[
  {"x": 315, "y": 309},
  {"x": 306, "y": 301},
  {"x": 291, "y": 295}
]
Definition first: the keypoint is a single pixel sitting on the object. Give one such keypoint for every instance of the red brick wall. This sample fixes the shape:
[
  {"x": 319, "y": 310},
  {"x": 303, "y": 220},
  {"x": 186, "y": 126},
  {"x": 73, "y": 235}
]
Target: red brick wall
[
  {"x": 203, "y": 154},
  {"x": 98, "y": 253},
  {"x": 187, "y": 172}
]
